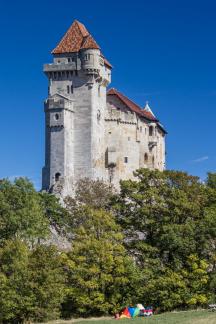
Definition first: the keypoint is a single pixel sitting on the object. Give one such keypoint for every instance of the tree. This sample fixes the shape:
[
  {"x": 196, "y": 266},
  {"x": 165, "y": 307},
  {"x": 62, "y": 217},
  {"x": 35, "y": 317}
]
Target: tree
[
  {"x": 211, "y": 180},
  {"x": 93, "y": 193},
  {"x": 167, "y": 217},
  {"x": 98, "y": 268},
  {"x": 32, "y": 282},
  {"x": 21, "y": 212}
]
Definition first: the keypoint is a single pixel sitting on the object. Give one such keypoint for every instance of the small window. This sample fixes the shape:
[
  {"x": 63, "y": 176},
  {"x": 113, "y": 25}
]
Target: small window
[
  {"x": 69, "y": 59},
  {"x": 57, "y": 176},
  {"x": 146, "y": 157},
  {"x": 151, "y": 129},
  {"x": 110, "y": 132},
  {"x": 71, "y": 88},
  {"x": 126, "y": 159},
  {"x": 56, "y": 116},
  {"x": 153, "y": 161},
  {"x": 68, "y": 89}
]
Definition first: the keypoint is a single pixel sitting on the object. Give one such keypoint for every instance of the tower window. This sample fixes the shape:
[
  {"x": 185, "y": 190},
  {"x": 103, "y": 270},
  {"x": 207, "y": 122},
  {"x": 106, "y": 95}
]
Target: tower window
[
  {"x": 56, "y": 116},
  {"x": 71, "y": 88},
  {"x": 57, "y": 176},
  {"x": 126, "y": 159},
  {"x": 68, "y": 89},
  {"x": 151, "y": 129}
]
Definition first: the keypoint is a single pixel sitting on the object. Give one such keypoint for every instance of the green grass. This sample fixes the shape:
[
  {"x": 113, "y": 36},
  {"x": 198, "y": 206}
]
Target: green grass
[{"x": 190, "y": 317}]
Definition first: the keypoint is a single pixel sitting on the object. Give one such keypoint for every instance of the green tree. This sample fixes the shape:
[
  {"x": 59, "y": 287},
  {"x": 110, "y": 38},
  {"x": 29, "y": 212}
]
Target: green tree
[
  {"x": 167, "y": 217},
  {"x": 22, "y": 215},
  {"x": 211, "y": 180},
  {"x": 32, "y": 282},
  {"x": 99, "y": 271}
]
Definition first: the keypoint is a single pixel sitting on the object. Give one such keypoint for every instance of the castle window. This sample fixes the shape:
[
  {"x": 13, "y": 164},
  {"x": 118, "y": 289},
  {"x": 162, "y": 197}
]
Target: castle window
[
  {"x": 57, "y": 176},
  {"x": 151, "y": 129},
  {"x": 71, "y": 88},
  {"x": 146, "y": 158},
  {"x": 126, "y": 159},
  {"x": 87, "y": 57},
  {"x": 68, "y": 89},
  {"x": 56, "y": 116}
]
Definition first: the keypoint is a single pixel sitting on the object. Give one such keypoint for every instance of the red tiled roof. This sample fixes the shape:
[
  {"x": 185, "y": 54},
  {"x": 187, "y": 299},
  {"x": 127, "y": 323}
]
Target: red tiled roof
[
  {"x": 76, "y": 37},
  {"x": 131, "y": 105},
  {"x": 89, "y": 42}
]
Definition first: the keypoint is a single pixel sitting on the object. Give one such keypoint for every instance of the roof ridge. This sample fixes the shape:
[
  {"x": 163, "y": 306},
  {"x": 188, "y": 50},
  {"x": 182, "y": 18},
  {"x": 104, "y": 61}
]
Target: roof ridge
[
  {"x": 82, "y": 28},
  {"x": 89, "y": 42}
]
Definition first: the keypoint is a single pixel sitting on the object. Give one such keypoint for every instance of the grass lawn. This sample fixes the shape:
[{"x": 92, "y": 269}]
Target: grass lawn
[{"x": 190, "y": 317}]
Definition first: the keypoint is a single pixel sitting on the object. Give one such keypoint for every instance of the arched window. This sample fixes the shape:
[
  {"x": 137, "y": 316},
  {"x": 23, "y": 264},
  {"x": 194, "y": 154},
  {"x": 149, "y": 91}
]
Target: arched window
[
  {"x": 57, "y": 176},
  {"x": 151, "y": 129},
  {"x": 146, "y": 158},
  {"x": 153, "y": 161}
]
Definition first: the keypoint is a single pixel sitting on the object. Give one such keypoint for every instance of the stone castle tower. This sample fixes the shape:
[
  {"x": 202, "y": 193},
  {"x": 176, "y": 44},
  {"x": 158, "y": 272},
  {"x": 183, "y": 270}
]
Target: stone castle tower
[{"x": 91, "y": 132}]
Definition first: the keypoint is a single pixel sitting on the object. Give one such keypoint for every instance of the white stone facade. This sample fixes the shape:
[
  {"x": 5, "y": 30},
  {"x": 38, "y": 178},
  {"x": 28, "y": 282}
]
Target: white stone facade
[{"x": 92, "y": 133}]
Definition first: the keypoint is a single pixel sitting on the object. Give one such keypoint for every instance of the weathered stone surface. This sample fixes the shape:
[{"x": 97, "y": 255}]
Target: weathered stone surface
[{"x": 90, "y": 134}]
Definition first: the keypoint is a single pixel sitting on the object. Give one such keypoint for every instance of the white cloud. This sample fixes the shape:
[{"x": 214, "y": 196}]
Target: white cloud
[{"x": 201, "y": 159}]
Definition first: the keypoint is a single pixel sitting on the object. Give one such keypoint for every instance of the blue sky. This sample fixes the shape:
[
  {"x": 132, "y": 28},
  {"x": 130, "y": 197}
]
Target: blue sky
[{"x": 162, "y": 51}]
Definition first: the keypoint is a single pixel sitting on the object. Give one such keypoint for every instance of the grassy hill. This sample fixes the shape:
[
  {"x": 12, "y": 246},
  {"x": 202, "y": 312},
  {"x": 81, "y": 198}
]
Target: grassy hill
[{"x": 190, "y": 317}]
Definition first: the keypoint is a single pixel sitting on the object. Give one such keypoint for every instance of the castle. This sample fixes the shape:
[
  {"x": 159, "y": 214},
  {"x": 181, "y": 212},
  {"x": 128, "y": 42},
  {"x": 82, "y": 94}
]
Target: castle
[{"x": 92, "y": 132}]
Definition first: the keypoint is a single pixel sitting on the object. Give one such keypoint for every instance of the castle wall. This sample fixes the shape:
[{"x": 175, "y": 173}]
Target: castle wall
[
  {"x": 129, "y": 141},
  {"x": 90, "y": 134}
]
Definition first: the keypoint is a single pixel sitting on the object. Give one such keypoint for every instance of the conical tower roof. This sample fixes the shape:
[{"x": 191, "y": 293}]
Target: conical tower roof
[{"x": 76, "y": 37}]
